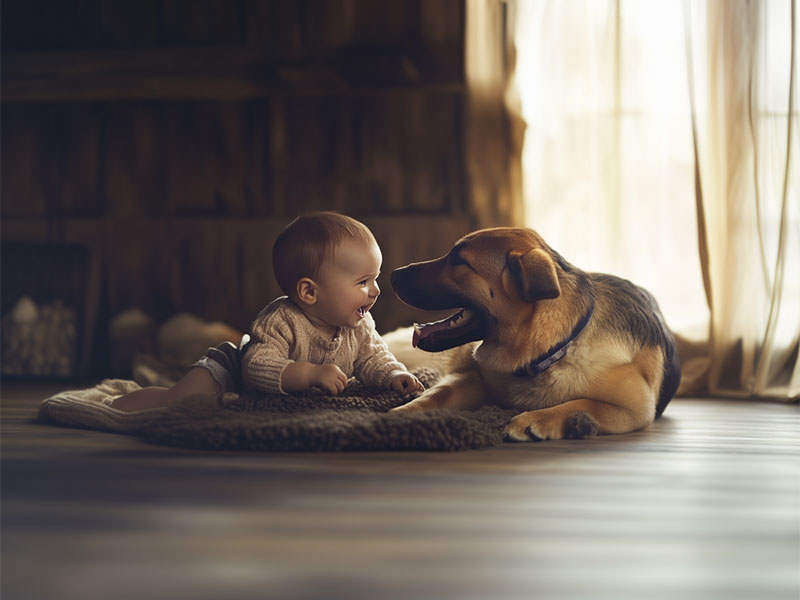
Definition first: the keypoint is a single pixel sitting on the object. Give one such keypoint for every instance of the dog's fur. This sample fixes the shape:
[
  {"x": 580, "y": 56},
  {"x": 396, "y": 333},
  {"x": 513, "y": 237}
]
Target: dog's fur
[{"x": 617, "y": 375}]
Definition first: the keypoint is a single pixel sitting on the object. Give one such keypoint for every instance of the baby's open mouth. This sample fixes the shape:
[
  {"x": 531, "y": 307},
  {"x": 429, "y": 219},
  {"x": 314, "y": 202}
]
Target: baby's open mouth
[{"x": 362, "y": 312}]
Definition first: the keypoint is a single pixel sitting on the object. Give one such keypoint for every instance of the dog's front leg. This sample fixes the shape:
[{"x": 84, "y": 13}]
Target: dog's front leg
[
  {"x": 576, "y": 419},
  {"x": 622, "y": 401},
  {"x": 456, "y": 391}
]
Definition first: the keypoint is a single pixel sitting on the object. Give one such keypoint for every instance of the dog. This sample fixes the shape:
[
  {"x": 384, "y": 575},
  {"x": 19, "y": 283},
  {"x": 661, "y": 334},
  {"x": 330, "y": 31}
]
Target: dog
[{"x": 579, "y": 354}]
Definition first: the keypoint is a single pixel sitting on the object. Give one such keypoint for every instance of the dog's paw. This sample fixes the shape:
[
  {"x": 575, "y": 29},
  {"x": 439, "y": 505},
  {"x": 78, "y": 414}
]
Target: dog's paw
[
  {"x": 537, "y": 425},
  {"x": 431, "y": 399},
  {"x": 412, "y": 406},
  {"x": 580, "y": 425},
  {"x": 526, "y": 427}
]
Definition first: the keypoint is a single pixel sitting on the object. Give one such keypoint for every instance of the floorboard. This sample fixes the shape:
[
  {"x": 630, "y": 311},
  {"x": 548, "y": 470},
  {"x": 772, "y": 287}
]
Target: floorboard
[{"x": 703, "y": 504}]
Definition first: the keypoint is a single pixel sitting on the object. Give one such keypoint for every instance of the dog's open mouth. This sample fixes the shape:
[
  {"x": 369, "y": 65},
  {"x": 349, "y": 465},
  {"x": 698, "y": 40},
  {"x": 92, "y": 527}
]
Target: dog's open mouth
[{"x": 461, "y": 328}]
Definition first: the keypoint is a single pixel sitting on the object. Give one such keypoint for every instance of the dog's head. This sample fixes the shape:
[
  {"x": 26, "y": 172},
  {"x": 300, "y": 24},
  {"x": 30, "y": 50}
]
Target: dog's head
[{"x": 494, "y": 276}]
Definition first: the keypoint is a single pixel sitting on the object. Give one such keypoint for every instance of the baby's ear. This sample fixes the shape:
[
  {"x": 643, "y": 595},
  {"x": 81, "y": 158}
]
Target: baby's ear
[{"x": 306, "y": 290}]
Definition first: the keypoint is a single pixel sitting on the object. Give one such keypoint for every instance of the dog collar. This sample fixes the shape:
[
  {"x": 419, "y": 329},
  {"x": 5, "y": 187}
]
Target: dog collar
[{"x": 541, "y": 363}]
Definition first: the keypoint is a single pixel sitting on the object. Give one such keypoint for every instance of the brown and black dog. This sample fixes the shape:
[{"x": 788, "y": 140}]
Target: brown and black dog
[{"x": 577, "y": 353}]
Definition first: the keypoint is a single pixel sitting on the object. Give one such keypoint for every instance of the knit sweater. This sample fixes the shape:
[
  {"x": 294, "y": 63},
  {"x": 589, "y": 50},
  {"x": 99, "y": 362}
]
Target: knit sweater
[{"x": 282, "y": 334}]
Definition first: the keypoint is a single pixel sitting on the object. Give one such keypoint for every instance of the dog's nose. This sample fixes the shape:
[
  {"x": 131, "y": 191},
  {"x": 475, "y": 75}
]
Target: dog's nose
[{"x": 396, "y": 276}]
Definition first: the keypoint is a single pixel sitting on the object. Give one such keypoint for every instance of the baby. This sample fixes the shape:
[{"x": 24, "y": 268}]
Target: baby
[{"x": 316, "y": 336}]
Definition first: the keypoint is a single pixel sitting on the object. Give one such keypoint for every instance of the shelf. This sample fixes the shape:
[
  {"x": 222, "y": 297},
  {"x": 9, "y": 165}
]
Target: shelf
[{"x": 94, "y": 229}]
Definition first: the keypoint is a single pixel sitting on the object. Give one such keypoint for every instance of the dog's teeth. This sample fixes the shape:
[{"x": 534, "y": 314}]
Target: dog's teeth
[{"x": 456, "y": 318}]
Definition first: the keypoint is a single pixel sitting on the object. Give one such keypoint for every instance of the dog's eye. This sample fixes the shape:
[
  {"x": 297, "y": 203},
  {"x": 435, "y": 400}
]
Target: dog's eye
[{"x": 455, "y": 259}]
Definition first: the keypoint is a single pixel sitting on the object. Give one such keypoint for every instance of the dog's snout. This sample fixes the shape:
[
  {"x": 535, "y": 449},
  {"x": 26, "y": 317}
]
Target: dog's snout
[{"x": 425, "y": 285}]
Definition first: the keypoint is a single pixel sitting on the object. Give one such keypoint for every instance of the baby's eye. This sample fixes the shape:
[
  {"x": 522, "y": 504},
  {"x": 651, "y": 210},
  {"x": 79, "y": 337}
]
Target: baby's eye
[{"x": 363, "y": 282}]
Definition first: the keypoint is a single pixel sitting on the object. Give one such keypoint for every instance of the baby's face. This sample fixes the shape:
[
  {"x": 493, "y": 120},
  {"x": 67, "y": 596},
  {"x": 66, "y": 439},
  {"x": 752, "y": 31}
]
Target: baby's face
[{"x": 347, "y": 286}]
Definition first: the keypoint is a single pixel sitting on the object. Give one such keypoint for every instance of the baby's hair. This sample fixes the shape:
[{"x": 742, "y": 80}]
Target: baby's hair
[{"x": 308, "y": 241}]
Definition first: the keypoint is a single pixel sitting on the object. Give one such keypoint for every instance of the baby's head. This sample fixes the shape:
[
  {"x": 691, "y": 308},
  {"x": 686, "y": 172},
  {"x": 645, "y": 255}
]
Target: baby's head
[{"x": 327, "y": 263}]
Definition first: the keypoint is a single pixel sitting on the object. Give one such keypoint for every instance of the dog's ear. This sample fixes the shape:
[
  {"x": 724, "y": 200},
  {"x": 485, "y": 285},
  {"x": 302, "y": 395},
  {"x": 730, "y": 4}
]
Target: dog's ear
[{"x": 536, "y": 273}]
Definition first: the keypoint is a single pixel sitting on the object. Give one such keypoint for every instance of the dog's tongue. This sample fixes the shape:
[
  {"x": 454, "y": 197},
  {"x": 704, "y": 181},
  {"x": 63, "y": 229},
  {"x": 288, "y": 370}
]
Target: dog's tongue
[{"x": 423, "y": 330}]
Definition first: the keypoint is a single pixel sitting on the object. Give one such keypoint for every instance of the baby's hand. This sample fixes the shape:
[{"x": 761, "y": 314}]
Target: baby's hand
[
  {"x": 328, "y": 377},
  {"x": 406, "y": 383}
]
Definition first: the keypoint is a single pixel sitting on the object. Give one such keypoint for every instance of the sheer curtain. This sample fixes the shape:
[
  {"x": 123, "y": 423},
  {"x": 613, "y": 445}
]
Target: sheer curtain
[{"x": 661, "y": 145}]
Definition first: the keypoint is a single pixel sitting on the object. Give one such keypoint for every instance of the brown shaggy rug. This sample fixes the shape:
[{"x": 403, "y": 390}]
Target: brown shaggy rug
[{"x": 356, "y": 420}]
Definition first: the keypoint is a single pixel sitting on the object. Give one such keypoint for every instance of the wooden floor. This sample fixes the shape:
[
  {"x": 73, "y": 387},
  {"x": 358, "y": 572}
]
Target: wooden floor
[{"x": 704, "y": 504}]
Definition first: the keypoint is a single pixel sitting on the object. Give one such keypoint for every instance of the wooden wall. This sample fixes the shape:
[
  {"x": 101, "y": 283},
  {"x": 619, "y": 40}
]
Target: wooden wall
[{"x": 174, "y": 138}]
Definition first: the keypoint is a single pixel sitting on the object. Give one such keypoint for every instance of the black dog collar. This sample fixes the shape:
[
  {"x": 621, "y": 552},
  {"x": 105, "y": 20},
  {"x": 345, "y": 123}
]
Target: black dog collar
[{"x": 541, "y": 363}]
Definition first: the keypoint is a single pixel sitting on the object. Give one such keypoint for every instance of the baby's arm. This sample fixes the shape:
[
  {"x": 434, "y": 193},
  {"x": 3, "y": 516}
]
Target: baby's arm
[
  {"x": 376, "y": 365},
  {"x": 300, "y": 376}
]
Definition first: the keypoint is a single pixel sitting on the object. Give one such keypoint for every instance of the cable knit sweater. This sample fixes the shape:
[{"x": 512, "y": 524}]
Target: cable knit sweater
[{"x": 282, "y": 334}]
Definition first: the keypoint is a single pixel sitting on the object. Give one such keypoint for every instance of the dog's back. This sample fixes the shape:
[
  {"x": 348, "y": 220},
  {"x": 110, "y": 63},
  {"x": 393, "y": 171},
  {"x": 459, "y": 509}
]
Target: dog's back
[{"x": 633, "y": 311}]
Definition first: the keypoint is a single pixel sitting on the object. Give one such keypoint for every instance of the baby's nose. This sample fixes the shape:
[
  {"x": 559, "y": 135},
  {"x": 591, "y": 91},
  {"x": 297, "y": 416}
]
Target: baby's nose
[{"x": 375, "y": 291}]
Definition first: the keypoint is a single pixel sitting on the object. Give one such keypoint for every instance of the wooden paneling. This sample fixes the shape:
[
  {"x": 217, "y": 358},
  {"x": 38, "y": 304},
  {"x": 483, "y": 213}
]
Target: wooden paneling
[
  {"x": 319, "y": 29},
  {"x": 51, "y": 160},
  {"x": 293, "y": 30},
  {"x": 285, "y": 29},
  {"x": 128, "y": 24},
  {"x": 393, "y": 155},
  {"x": 413, "y": 145},
  {"x": 71, "y": 159},
  {"x": 182, "y": 49},
  {"x": 215, "y": 157},
  {"x": 137, "y": 261},
  {"x": 201, "y": 22},
  {"x": 23, "y": 183},
  {"x": 85, "y": 24},
  {"x": 135, "y": 168},
  {"x": 175, "y": 138},
  {"x": 187, "y": 158},
  {"x": 398, "y": 155},
  {"x": 48, "y": 24},
  {"x": 226, "y": 73}
]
